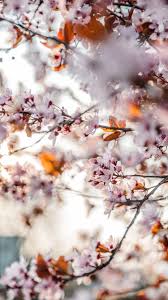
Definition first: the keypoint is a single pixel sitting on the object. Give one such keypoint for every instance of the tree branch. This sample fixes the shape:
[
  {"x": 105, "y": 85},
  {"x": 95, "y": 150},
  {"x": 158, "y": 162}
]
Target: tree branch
[
  {"x": 115, "y": 251},
  {"x": 116, "y": 128},
  {"x": 34, "y": 33},
  {"x": 143, "y": 176},
  {"x": 122, "y": 4}
]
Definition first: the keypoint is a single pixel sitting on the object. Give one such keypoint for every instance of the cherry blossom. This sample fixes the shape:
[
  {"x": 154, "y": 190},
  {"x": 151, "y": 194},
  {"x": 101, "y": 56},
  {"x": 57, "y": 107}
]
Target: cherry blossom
[{"x": 111, "y": 134}]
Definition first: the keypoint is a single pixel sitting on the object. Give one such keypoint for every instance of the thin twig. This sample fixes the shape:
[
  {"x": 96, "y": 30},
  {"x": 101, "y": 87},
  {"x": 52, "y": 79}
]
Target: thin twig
[
  {"x": 143, "y": 176},
  {"x": 122, "y": 4},
  {"x": 68, "y": 189},
  {"x": 37, "y": 8},
  {"x": 115, "y": 251},
  {"x": 116, "y": 128},
  {"x": 32, "y": 32},
  {"x": 29, "y": 146},
  {"x": 50, "y": 130}
]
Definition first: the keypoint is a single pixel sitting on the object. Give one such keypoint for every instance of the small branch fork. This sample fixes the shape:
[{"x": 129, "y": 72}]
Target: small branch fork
[
  {"x": 32, "y": 32},
  {"x": 115, "y": 251}
]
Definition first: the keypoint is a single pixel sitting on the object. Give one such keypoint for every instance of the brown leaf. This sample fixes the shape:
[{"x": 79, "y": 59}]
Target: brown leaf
[
  {"x": 50, "y": 163},
  {"x": 101, "y": 248},
  {"x": 141, "y": 295},
  {"x": 114, "y": 122},
  {"x": 28, "y": 131},
  {"x": 66, "y": 34},
  {"x": 17, "y": 126},
  {"x": 145, "y": 28},
  {"x": 113, "y": 136},
  {"x": 139, "y": 186},
  {"x": 93, "y": 31},
  {"x": 156, "y": 228},
  {"x": 134, "y": 111},
  {"x": 59, "y": 68},
  {"x": 60, "y": 265},
  {"x": 109, "y": 23},
  {"x": 160, "y": 280},
  {"x": 42, "y": 267},
  {"x": 19, "y": 35}
]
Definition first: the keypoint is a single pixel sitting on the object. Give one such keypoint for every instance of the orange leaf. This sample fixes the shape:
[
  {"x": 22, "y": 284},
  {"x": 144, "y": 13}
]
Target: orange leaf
[
  {"x": 139, "y": 186},
  {"x": 50, "y": 163},
  {"x": 141, "y": 295},
  {"x": 15, "y": 126},
  {"x": 66, "y": 34},
  {"x": 113, "y": 136},
  {"x": 28, "y": 131},
  {"x": 113, "y": 122},
  {"x": 19, "y": 35},
  {"x": 160, "y": 280},
  {"x": 109, "y": 23},
  {"x": 93, "y": 31},
  {"x": 59, "y": 68},
  {"x": 134, "y": 111},
  {"x": 42, "y": 267},
  {"x": 60, "y": 265},
  {"x": 60, "y": 34},
  {"x": 103, "y": 295},
  {"x": 101, "y": 248},
  {"x": 156, "y": 228}
]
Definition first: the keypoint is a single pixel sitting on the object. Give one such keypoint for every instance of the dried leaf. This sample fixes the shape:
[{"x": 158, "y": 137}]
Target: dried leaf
[
  {"x": 101, "y": 248},
  {"x": 113, "y": 122},
  {"x": 160, "y": 280},
  {"x": 28, "y": 131},
  {"x": 134, "y": 111},
  {"x": 145, "y": 28},
  {"x": 59, "y": 68},
  {"x": 113, "y": 136},
  {"x": 139, "y": 186},
  {"x": 60, "y": 265},
  {"x": 19, "y": 35},
  {"x": 17, "y": 126},
  {"x": 109, "y": 23},
  {"x": 156, "y": 228},
  {"x": 66, "y": 34},
  {"x": 141, "y": 295},
  {"x": 42, "y": 267},
  {"x": 93, "y": 31},
  {"x": 50, "y": 163}
]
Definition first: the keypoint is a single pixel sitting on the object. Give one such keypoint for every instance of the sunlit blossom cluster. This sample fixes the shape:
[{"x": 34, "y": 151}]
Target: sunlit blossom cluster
[
  {"x": 117, "y": 53},
  {"x": 46, "y": 277}
]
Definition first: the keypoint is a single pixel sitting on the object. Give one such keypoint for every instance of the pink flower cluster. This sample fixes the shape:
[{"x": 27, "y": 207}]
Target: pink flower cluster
[
  {"x": 46, "y": 277},
  {"x": 23, "y": 183},
  {"x": 21, "y": 279}
]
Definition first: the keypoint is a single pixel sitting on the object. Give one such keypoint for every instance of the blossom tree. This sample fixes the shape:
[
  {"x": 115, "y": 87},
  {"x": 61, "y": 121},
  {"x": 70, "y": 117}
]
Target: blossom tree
[{"x": 117, "y": 53}]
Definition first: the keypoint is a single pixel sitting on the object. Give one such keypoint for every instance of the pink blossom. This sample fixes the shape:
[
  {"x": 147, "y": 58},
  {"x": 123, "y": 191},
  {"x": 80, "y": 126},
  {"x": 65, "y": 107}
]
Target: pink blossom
[
  {"x": 47, "y": 289},
  {"x": 90, "y": 124},
  {"x": 104, "y": 169}
]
